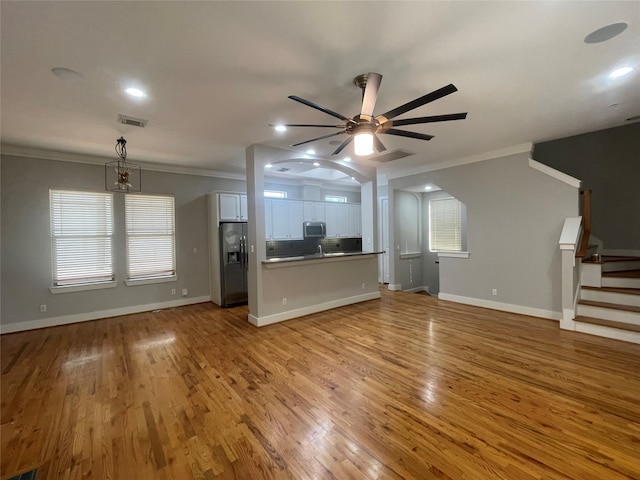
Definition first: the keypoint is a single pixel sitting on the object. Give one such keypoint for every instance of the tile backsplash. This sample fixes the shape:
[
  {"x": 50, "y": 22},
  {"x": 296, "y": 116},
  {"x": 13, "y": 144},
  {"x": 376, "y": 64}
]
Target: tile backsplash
[{"x": 309, "y": 246}]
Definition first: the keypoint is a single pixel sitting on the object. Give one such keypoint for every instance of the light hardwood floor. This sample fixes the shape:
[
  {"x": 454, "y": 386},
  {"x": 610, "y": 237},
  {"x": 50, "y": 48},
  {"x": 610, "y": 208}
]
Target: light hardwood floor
[{"x": 402, "y": 387}]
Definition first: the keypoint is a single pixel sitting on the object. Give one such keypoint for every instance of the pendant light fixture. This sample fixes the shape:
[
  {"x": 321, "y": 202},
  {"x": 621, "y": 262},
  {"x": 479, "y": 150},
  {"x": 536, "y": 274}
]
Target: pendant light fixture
[{"x": 120, "y": 175}]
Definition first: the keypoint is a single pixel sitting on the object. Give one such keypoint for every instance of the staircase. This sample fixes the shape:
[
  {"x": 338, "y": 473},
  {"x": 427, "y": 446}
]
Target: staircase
[{"x": 609, "y": 304}]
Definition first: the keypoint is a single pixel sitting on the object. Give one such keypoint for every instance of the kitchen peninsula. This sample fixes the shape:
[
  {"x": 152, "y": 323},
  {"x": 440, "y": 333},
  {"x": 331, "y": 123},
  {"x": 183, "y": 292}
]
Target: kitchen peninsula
[{"x": 298, "y": 285}]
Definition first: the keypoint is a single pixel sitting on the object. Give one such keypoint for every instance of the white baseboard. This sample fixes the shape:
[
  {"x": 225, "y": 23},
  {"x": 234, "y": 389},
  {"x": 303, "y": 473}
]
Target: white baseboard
[
  {"x": 301, "y": 312},
  {"x": 88, "y": 316},
  {"x": 394, "y": 287},
  {"x": 418, "y": 289},
  {"x": 505, "y": 307}
]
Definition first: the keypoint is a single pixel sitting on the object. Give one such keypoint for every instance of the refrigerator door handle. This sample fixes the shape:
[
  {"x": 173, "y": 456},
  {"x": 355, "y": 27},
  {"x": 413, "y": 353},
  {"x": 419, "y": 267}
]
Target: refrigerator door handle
[{"x": 243, "y": 252}]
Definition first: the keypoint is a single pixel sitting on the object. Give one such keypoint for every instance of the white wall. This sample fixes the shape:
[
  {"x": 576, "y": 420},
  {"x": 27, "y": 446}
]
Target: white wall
[
  {"x": 514, "y": 219},
  {"x": 26, "y": 247}
]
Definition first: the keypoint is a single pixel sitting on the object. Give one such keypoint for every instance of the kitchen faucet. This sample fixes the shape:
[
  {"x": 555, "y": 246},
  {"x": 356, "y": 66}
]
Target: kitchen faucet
[{"x": 320, "y": 248}]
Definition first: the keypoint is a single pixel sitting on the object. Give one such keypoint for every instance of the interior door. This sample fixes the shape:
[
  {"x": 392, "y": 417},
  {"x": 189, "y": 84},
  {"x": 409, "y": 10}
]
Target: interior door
[{"x": 384, "y": 220}]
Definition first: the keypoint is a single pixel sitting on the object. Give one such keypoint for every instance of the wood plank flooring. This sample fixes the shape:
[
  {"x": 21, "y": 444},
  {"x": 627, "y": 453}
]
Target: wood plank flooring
[{"x": 405, "y": 387}]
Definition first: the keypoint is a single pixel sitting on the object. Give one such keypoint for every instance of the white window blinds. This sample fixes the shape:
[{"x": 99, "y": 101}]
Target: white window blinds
[
  {"x": 445, "y": 225},
  {"x": 150, "y": 227},
  {"x": 81, "y": 237}
]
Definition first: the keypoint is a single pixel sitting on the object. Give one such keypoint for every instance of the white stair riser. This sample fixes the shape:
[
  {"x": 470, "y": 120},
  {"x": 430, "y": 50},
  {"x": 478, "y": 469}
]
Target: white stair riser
[
  {"x": 619, "y": 282},
  {"x": 610, "y": 297},
  {"x": 609, "y": 314},
  {"x": 591, "y": 274},
  {"x": 621, "y": 266},
  {"x": 608, "y": 332}
]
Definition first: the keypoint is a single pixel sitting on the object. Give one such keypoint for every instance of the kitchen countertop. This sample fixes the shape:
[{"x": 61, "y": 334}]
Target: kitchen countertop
[{"x": 318, "y": 257}]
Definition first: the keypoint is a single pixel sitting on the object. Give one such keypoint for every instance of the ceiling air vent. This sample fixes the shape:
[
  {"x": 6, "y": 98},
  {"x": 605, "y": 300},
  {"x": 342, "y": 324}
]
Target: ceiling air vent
[
  {"x": 136, "y": 122},
  {"x": 393, "y": 155},
  {"x": 283, "y": 169}
]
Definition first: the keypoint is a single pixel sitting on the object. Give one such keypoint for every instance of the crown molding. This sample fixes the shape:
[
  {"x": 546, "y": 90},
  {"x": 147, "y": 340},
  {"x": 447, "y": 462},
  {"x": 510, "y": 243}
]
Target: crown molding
[
  {"x": 479, "y": 157},
  {"x": 74, "y": 157}
]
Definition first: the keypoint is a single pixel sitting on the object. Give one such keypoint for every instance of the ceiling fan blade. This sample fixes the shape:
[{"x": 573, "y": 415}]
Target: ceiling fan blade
[
  {"x": 342, "y": 145},
  {"x": 303, "y": 125},
  {"x": 370, "y": 93},
  {"x": 378, "y": 144},
  {"x": 434, "y": 118},
  {"x": 318, "y": 107},
  {"x": 418, "y": 102},
  {"x": 404, "y": 133},
  {"x": 318, "y": 138}
]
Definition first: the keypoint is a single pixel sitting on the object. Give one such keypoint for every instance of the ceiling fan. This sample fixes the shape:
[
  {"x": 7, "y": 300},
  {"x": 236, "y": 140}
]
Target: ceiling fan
[{"x": 364, "y": 127}]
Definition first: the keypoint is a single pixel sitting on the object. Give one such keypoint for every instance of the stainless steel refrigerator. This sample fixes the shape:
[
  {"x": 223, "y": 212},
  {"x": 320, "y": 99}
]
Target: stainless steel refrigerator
[{"x": 233, "y": 263}]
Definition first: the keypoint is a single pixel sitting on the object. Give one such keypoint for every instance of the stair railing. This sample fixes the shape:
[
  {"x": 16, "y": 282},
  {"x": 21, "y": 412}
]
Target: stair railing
[
  {"x": 585, "y": 209},
  {"x": 569, "y": 240}
]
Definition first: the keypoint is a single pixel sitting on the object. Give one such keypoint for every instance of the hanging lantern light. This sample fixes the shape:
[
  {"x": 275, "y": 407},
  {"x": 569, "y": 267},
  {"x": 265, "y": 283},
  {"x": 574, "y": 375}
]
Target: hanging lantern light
[{"x": 120, "y": 175}]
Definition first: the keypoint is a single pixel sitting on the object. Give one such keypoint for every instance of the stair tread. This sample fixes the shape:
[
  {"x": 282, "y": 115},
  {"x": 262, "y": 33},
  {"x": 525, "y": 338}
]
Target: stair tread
[
  {"x": 608, "y": 323},
  {"x": 613, "y": 306},
  {"x": 626, "y": 291},
  {"x": 611, "y": 259}
]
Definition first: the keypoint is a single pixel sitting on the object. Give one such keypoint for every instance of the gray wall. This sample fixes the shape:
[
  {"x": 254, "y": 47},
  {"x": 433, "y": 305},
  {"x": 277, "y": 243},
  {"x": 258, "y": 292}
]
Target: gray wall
[
  {"x": 26, "y": 246},
  {"x": 430, "y": 269},
  {"x": 608, "y": 163},
  {"x": 514, "y": 219}
]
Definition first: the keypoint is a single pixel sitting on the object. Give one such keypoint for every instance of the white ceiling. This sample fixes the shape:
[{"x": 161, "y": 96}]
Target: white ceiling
[{"x": 217, "y": 73}]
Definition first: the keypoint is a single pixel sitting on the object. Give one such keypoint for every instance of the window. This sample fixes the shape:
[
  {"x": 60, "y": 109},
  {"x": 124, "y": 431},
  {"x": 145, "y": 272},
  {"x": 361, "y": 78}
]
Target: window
[
  {"x": 445, "y": 220},
  {"x": 81, "y": 237},
  {"x": 150, "y": 229},
  {"x": 274, "y": 194},
  {"x": 335, "y": 198}
]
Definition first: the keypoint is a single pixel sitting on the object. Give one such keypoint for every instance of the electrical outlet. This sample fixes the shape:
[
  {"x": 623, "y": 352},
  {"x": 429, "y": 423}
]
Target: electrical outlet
[
  {"x": 43, "y": 308},
  {"x": 185, "y": 292},
  {"x": 284, "y": 301},
  {"x": 363, "y": 285},
  {"x": 173, "y": 291},
  {"x": 494, "y": 292}
]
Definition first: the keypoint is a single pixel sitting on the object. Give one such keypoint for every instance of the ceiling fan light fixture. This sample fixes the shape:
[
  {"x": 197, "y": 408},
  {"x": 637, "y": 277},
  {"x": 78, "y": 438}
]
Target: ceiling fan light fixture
[{"x": 363, "y": 144}]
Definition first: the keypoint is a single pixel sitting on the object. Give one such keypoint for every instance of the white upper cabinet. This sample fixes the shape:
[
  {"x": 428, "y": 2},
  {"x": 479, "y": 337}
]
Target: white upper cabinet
[
  {"x": 355, "y": 220},
  {"x": 314, "y": 211},
  {"x": 286, "y": 220},
  {"x": 268, "y": 216},
  {"x": 337, "y": 218},
  {"x": 232, "y": 207}
]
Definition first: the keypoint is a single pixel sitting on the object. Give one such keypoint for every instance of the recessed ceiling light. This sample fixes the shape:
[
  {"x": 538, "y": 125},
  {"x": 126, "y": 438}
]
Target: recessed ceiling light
[
  {"x": 135, "y": 92},
  {"x": 428, "y": 187},
  {"x": 316, "y": 164},
  {"x": 280, "y": 128},
  {"x": 268, "y": 165},
  {"x": 67, "y": 74},
  {"x": 620, "y": 72},
  {"x": 311, "y": 151},
  {"x": 606, "y": 33},
  {"x": 347, "y": 159}
]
